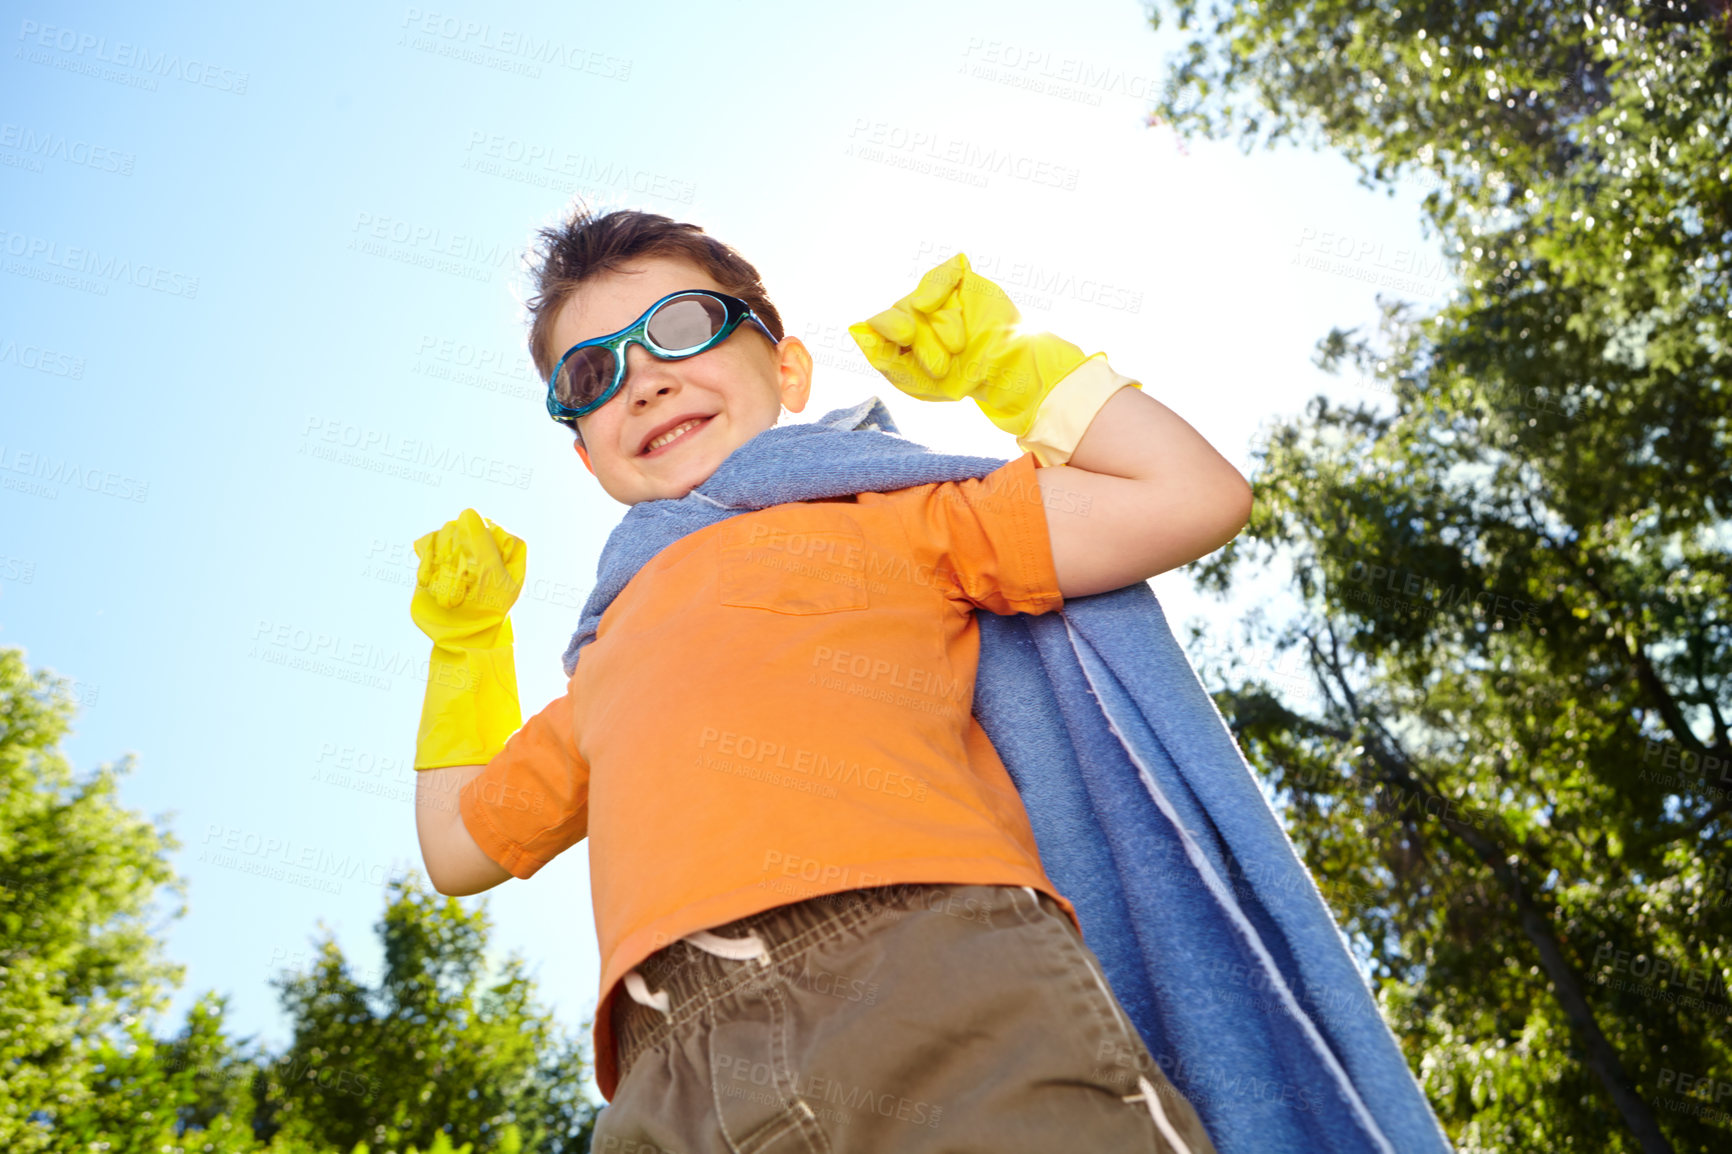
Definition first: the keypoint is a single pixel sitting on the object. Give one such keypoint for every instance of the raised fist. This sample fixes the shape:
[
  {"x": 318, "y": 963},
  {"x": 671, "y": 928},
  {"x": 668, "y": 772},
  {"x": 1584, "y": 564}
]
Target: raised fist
[{"x": 471, "y": 573}]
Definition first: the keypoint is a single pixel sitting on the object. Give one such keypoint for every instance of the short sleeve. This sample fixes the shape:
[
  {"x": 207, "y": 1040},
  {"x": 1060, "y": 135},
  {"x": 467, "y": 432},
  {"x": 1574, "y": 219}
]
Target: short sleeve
[
  {"x": 988, "y": 535},
  {"x": 531, "y": 803}
]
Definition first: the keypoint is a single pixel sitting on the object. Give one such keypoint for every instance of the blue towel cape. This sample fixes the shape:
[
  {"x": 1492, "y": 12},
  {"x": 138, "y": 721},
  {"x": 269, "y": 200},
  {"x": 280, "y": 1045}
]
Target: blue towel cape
[{"x": 1211, "y": 932}]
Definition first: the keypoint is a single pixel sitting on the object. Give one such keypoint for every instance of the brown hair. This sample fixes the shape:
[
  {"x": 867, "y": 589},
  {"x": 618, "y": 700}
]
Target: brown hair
[{"x": 585, "y": 245}]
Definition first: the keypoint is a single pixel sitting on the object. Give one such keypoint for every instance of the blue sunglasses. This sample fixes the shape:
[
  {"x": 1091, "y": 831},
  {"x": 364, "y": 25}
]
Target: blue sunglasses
[{"x": 680, "y": 325}]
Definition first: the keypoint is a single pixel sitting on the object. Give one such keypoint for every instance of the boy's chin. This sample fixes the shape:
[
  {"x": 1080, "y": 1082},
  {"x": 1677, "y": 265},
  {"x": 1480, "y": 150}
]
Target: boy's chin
[{"x": 673, "y": 488}]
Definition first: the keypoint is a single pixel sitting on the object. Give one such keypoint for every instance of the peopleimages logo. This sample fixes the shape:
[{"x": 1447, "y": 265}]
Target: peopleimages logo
[
  {"x": 429, "y": 247},
  {"x": 1046, "y": 283},
  {"x": 1421, "y": 590},
  {"x": 41, "y": 359},
  {"x": 281, "y": 859},
  {"x": 65, "y": 471},
  {"x": 92, "y": 263},
  {"x": 48, "y": 146},
  {"x": 380, "y": 449},
  {"x": 508, "y": 152},
  {"x": 88, "y": 47},
  {"x": 449, "y": 35},
  {"x": 883, "y": 141}
]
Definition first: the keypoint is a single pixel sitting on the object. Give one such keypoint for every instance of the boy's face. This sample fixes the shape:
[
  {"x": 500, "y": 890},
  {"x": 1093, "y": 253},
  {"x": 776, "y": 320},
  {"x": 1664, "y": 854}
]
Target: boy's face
[{"x": 737, "y": 389}]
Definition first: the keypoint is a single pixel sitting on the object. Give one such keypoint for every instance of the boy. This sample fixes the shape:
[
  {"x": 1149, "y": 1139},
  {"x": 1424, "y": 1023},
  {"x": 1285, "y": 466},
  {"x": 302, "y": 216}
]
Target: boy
[{"x": 732, "y": 739}]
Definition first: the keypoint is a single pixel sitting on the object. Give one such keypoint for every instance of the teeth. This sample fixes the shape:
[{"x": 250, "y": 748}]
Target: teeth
[{"x": 671, "y": 434}]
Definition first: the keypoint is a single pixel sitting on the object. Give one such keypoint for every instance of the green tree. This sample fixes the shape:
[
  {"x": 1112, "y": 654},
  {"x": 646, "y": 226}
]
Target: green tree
[
  {"x": 1514, "y": 774},
  {"x": 79, "y": 965},
  {"x": 432, "y": 1057},
  {"x": 435, "y": 1048},
  {"x": 193, "y": 1092}
]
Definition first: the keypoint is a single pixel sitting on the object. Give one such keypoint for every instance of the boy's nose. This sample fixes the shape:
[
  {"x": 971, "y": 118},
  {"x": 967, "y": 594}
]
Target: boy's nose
[{"x": 645, "y": 374}]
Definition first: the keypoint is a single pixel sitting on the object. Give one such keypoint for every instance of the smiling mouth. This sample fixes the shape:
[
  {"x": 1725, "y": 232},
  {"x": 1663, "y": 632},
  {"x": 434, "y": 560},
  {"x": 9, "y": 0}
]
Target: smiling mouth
[{"x": 675, "y": 435}]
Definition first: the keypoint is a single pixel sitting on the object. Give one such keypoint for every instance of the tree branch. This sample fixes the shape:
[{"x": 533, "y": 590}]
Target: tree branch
[
  {"x": 1630, "y": 641},
  {"x": 1601, "y": 1058}
]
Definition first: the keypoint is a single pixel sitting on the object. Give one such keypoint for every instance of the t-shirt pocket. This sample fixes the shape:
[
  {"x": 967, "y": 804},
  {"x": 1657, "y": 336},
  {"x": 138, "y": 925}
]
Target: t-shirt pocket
[{"x": 794, "y": 561}]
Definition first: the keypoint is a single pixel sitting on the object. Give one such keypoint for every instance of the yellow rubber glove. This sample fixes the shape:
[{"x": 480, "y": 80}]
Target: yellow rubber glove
[
  {"x": 960, "y": 335},
  {"x": 471, "y": 573}
]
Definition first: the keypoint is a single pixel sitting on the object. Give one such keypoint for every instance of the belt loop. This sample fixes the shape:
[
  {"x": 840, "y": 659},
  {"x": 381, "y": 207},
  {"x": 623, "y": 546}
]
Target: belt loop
[
  {"x": 739, "y": 949},
  {"x": 640, "y": 993}
]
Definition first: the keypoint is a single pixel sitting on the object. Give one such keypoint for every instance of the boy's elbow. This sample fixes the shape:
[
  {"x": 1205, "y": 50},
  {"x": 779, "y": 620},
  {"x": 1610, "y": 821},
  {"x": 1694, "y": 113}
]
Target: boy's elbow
[
  {"x": 1223, "y": 501},
  {"x": 1233, "y": 503},
  {"x": 456, "y": 866},
  {"x": 479, "y": 879},
  {"x": 457, "y": 891},
  {"x": 1239, "y": 505},
  {"x": 441, "y": 885},
  {"x": 436, "y": 876}
]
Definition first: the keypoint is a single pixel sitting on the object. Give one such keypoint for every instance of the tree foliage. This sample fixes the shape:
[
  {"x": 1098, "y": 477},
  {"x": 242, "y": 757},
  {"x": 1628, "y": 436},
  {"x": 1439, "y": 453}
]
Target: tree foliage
[
  {"x": 434, "y": 1048},
  {"x": 1517, "y": 618},
  {"x": 78, "y": 960},
  {"x": 438, "y": 1057}
]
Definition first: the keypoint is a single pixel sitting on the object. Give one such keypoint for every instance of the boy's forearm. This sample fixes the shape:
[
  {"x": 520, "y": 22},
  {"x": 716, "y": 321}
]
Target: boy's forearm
[
  {"x": 455, "y": 864},
  {"x": 1137, "y": 437}
]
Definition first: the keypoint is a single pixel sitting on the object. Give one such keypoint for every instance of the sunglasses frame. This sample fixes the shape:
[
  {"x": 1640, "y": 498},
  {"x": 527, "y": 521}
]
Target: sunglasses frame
[{"x": 638, "y": 333}]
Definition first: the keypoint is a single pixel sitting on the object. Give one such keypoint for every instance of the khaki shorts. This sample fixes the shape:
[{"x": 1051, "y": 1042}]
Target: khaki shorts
[{"x": 912, "y": 1019}]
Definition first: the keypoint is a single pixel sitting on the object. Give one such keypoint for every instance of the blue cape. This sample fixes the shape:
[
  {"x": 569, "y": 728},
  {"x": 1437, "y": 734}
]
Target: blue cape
[{"x": 1210, "y": 929}]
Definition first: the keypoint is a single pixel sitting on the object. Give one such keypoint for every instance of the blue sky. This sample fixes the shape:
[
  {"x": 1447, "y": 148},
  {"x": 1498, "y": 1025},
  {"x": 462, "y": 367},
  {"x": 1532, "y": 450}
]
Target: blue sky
[{"x": 261, "y": 327}]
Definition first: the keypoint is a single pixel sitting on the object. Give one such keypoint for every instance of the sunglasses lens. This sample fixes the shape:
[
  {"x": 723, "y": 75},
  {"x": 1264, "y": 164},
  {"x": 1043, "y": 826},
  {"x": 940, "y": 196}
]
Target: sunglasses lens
[
  {"x": 584, "y": 377},
  {"x": 687, "y": 322},
  {"x": 681, "y": 325}
]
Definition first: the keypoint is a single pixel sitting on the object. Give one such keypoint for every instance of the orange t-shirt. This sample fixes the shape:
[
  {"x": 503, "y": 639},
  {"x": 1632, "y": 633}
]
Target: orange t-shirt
[{"x": 778, "y": 706}]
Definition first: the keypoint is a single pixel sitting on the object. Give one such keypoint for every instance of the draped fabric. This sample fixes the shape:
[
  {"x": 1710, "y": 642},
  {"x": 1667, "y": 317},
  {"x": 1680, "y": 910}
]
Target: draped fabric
[{"x": 1147, "y": 817}]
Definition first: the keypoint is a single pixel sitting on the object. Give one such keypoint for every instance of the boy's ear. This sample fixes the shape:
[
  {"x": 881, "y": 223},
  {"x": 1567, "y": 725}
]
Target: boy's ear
[
  {"x": 584, "y": 455},
  {"x": 794, "y": 373}
]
